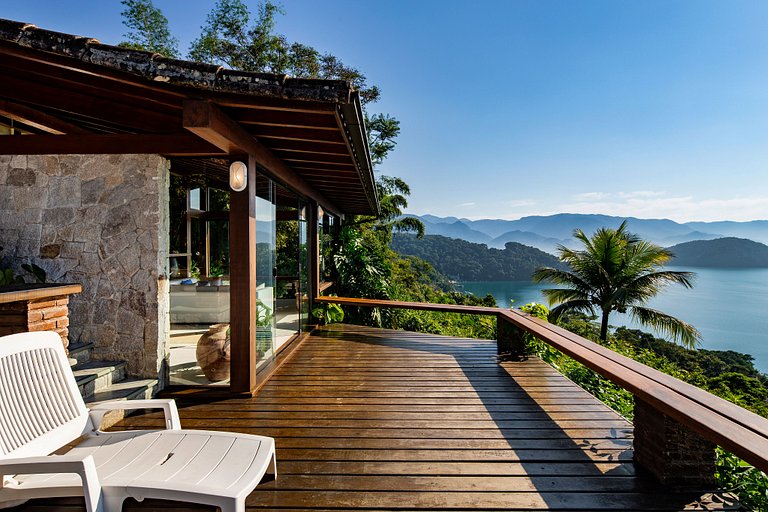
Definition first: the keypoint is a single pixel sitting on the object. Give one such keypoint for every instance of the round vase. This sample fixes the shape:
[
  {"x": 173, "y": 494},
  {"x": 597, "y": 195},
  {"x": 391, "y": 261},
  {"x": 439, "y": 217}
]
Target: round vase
[{"x": 213, "y": 353}]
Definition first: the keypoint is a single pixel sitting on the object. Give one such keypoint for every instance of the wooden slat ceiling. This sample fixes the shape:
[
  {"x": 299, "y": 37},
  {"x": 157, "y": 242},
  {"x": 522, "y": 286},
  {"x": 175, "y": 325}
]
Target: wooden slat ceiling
[{"x": 314, "y": 126}]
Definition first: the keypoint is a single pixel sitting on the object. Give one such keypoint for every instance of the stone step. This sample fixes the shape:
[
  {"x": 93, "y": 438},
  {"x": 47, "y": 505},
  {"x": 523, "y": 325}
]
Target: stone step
[
  {"x": 95, "y": 376},
  {"x": 126, "y": 389},
  {"x": 81, "y": 352}
]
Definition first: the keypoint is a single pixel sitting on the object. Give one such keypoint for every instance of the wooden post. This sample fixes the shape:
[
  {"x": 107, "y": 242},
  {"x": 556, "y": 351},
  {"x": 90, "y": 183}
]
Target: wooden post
[
  {"x": 313, "y": 257},
  {"x": 672, "y": 453},
  {"x": 242, "y": 289},
  {"x": 510, "y": 339}
]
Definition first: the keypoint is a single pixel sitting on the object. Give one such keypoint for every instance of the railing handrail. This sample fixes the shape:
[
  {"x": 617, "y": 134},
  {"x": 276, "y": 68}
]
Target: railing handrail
[{"x": 722, "y": 422}]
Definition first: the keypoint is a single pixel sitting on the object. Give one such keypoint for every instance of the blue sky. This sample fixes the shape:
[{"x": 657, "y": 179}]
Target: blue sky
[{"x": 512, "y": 108}]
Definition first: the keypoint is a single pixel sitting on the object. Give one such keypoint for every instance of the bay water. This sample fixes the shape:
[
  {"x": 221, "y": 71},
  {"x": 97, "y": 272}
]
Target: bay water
[{"x": 728, "y": 306}]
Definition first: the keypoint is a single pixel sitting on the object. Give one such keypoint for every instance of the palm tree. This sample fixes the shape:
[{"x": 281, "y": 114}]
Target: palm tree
[{"x": 616, "y": 271}]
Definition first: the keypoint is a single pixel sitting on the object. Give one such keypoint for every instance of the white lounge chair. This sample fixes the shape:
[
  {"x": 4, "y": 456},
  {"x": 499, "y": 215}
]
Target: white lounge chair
[{"x": 41, "y": 411}]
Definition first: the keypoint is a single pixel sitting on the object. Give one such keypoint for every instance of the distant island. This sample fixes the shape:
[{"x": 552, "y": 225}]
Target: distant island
[
  {"x": 467, "y": 261},
  {"x": 727, "y": 252}
]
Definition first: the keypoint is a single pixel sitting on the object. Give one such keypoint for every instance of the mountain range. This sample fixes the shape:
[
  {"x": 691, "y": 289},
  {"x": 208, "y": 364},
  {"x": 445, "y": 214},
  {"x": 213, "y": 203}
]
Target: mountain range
[{"x": 547, "y": 232}]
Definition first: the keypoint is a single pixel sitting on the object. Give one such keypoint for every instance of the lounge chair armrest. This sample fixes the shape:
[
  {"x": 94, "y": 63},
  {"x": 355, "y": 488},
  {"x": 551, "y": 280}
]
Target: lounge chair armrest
[
  {"x": 172, "y": 421},
  {"x": 81, "y": 465}
]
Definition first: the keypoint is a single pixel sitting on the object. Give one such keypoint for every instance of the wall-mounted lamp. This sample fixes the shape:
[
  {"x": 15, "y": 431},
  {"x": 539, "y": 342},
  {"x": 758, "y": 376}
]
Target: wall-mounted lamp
[{"x": 238, "y": 176}]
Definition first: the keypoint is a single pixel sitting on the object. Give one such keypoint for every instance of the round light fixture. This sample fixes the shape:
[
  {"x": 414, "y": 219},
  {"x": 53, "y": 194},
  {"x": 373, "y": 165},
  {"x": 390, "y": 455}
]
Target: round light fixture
[{"x": 238, "y": 176}]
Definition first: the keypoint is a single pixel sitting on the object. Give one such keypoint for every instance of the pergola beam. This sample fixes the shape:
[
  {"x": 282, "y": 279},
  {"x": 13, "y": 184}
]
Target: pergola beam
[
  {"x": 37, "y": 119},
  {"x": 207, "y": 121},
  {"x": 81, "y": 144}
]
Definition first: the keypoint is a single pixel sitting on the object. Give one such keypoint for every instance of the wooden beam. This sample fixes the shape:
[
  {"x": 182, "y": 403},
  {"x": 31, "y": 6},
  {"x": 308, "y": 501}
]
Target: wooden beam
[
  {"x": 313, "y": 257},
  {"x": 324, "y": 120},
  {"x": 207, "y": 121},
  {"x": 38, "y": 119},
  {"x": 317, "y": 148},
  {"x": 321, "y": 162},
  {"x": 134, "y": 117},
  {"x": 242, "y": 290},
  {"x": 303, "y": 134},
  {"x": 169, "y": 145}
]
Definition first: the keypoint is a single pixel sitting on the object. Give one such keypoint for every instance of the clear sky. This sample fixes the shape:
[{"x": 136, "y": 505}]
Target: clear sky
[{"x": 512, "y": 108}]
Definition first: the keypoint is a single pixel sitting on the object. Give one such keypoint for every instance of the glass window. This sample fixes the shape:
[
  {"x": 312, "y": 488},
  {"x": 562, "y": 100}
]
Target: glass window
[{"x": 266, "y": 216}]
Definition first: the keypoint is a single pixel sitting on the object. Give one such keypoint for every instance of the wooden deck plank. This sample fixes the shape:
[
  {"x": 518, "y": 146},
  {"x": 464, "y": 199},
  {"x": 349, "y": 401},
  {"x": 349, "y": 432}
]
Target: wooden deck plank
[{"x": 373, "y": 420}]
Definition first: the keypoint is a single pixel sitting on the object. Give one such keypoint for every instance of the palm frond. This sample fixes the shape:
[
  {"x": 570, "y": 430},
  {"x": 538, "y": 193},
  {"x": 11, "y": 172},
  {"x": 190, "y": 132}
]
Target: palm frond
[
  {"x": 579, "y": 306},
  {"x": 558, "y": 295},
  {"x": 557, "y": 276},
  {"x": 682, "y": 332}
]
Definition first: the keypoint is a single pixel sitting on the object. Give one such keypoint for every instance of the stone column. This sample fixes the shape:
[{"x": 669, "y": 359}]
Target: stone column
[
  {"x": 510, "y": 339},
  {"x": 671, "y": 452}
]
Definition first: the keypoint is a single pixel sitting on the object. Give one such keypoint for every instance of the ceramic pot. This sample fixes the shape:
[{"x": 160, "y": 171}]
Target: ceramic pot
[{"x": 213, "y": 353}]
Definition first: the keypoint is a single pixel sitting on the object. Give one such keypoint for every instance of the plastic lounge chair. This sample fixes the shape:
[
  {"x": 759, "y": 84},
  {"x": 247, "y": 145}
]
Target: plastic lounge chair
[{"x": 41, "y": 412}]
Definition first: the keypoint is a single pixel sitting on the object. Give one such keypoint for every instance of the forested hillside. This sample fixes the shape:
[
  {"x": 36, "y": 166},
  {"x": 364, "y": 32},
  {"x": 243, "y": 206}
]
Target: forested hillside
[
  {"x": 467, "y": 261},
  {"x": 721, "y": 253}
]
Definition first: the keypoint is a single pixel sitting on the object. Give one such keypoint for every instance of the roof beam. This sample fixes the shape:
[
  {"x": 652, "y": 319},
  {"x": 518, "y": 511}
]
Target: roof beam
[
  {"x": 36, "y": 119},
  {"x": 207, "y": 121},
  {"x": 168, "y": 145}
]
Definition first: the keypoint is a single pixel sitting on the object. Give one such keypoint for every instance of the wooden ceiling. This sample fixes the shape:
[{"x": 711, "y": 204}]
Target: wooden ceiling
[{"x": 76, "y": 95}]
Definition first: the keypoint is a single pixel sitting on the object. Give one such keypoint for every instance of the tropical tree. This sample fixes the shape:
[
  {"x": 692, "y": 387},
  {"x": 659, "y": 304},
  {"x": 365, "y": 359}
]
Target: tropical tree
[
  {"x": 616, "y": 271},
  {"x": 148, "y": 29}
]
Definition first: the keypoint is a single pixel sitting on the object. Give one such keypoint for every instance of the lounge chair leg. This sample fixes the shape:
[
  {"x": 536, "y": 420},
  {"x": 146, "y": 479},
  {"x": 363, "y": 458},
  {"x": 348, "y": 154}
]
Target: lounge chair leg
[
  {"x": 234, "y": 505},
  {"x": 272, "y": 469},
  {"x": 113, "y": 503}
]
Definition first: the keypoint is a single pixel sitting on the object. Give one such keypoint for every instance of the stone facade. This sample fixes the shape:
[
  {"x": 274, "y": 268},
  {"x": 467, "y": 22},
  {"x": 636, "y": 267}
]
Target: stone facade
[
  {"x": 672, "y": 453},
  {"x": 100, "y": 221}
]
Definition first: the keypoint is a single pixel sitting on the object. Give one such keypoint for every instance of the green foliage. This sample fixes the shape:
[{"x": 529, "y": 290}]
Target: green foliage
[
  {"x": 328, "y": 313},
  {"x": 383, "y": 130},
  {"x": 393, "y": 196},
  {"x": 362, "y": 266},
  {"x": 235, "y": 38},
  {"x": 7, "y": 277},
  {"x": 263, "y": 315},
  {"x": 748, "y": 482},
  {"x": 38, "y": 273},
  {"x": 148, "y": 29},
  {"x": 194, "y": 270},
  {"x": 616, "y": 271},
  {"x": 469, "y": 261}
]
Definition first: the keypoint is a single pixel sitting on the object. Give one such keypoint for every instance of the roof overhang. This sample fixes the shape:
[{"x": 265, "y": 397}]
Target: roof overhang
[{"x": 76, "y": 95}]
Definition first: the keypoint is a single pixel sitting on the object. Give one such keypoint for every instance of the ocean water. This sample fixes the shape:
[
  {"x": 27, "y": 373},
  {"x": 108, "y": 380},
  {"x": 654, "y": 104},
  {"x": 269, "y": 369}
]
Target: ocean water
[{"x": 728, "y": 306}]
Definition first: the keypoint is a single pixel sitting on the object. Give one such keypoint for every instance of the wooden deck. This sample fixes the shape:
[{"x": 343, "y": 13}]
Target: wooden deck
[{"x": 372, "y": 419}]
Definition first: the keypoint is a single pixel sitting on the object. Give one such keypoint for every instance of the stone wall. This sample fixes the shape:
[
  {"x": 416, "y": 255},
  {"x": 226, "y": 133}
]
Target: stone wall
[{"x": 101, "y": 221}]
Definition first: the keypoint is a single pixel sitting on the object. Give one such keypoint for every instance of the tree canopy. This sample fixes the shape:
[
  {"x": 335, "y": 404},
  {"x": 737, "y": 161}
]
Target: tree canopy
[{"x": 148, "y": 28}]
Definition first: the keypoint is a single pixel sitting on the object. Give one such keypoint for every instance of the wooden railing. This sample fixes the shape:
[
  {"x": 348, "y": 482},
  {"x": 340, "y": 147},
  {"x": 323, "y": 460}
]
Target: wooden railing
[{"x": 676, "y": 423}]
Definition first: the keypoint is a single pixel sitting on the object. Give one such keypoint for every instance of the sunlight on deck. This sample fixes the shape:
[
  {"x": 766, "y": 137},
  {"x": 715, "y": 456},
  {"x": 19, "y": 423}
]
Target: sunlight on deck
[{"x": 372, "y": 419}]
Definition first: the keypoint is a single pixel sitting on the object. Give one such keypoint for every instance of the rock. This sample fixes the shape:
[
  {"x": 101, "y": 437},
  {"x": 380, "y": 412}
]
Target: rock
[
  {"x": 50, "y": 251},
  {"x": 119, "y": 220},
  {"x": 64, "y": 191},
  {"x": 91, "y": 191},
  {"x": 20, "y": 177}
]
